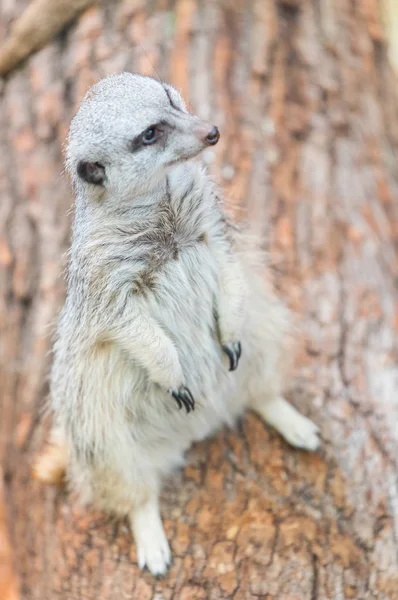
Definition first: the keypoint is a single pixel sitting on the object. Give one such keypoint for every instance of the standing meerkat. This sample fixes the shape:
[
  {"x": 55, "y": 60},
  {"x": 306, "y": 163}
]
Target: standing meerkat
[{"x": 169, "y": 330}]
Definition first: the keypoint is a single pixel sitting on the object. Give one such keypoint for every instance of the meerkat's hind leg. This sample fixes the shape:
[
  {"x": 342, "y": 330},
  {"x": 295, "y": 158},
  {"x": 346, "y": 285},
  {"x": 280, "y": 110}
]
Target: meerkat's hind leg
[
  {"x": 153, "y": 550},
  {"x": 50, "y": 465},
  {"x": 295, "y": 428},
  {"x": 271, "y": 356}
]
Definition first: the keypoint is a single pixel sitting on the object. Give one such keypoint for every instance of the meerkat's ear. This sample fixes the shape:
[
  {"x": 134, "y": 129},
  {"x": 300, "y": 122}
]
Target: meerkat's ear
[{"x": 92, "y": 172}]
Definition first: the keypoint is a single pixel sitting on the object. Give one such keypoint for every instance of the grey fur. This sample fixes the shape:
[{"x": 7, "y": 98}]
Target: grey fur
[{"x": 157, "y": 310}]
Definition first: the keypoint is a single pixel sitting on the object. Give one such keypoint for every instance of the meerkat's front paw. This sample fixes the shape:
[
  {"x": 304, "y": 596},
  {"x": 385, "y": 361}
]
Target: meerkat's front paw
[
  {"x": 234, "y": 352},
  {"x": 184, "y": 397}
]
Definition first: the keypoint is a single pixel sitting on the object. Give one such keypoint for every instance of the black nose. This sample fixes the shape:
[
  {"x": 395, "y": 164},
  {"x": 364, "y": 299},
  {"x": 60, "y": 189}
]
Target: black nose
[{"x": 213, "y": 136}]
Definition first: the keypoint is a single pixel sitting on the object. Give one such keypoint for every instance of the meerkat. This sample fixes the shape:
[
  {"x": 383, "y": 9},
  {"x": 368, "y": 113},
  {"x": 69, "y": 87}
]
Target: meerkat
[{"x": 169, "y": 330}]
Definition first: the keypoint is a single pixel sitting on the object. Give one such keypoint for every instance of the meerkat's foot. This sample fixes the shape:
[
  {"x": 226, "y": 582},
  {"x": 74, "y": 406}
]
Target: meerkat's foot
[
  {"x": 153, "y": 550},
  {"x": 183, "y": 397},
  {"x": 297, "y": 430},
  {"x": 50, "y": 466},
  {"x": 234, "y": 352}
]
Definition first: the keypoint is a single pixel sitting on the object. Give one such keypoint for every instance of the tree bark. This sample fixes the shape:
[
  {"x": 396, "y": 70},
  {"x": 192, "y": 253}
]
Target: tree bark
[{"x": 307, "y": 107}]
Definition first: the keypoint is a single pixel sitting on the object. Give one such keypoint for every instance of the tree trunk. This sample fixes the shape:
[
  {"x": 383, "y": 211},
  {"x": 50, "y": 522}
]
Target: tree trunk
[{"x": 307, "y": 107}]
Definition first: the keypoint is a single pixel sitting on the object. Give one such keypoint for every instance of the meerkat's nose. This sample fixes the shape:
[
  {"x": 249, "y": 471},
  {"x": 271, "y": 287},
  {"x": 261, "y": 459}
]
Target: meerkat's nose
[{"x": 213, "y": 136}]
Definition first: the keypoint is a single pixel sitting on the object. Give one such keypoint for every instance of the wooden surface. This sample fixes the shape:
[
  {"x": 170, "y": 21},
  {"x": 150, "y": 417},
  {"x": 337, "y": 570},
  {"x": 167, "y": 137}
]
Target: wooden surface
[
  {"x": 305, "y": 102},
  {"x": 8, "y": 579}
]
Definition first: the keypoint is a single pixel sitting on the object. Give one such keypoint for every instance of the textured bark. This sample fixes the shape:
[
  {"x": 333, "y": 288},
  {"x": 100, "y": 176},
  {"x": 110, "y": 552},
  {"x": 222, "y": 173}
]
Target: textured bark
[
  {"x": 307, "y": 108},
  {"x": 8, "y": 581}
]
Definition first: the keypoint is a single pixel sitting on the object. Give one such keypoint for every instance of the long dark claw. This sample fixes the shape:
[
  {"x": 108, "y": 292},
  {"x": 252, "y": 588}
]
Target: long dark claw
[
  {"x": 190, "y": 398},
  {"x": 230, "y": 356},
  {"x": 177, "y": 398},
  {"x": 234, "y": 352},
  {"x": 184, "y": 397},
  {"x": 239, "y": 354}
]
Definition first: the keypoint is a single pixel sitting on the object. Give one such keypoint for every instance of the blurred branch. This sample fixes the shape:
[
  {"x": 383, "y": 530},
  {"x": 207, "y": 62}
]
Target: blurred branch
[
  {"x": 37, "y": 25},
  {"x": 391, "y": 26}
]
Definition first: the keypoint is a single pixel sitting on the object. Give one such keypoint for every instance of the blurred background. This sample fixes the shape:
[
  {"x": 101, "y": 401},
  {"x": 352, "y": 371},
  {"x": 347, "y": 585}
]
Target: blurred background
[{"x": 305, "y": 95}]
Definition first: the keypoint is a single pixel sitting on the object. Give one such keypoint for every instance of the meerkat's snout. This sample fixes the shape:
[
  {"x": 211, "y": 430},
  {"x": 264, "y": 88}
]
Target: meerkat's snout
[
  {"x": 213, "y": 136},
  {"x": 208, "y": 134}
]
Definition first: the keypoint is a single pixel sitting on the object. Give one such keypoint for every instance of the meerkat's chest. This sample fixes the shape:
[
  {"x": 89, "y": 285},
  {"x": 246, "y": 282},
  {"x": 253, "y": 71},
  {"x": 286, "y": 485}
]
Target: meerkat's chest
[
  {"x": 178, "y": 255},
  {"x": 184, "y": 302},
  {"x": 180, "y": 263},
  {"x": 180, "y": 276}
]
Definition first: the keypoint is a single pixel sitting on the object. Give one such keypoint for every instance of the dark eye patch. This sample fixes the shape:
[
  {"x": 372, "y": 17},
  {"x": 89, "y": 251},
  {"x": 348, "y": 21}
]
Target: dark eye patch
[{"x": 161, "y": 130}]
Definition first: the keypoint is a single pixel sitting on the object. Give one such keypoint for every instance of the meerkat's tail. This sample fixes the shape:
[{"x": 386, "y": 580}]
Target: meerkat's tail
[{"x": 50, "y": 465}]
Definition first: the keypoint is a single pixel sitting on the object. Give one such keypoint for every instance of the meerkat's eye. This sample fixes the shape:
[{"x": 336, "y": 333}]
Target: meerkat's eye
[{"x": 150, "y": 135}]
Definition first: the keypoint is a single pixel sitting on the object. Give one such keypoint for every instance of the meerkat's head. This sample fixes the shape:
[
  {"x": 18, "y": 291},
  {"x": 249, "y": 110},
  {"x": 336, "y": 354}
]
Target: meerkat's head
[{"x": 129, "y": 130}]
